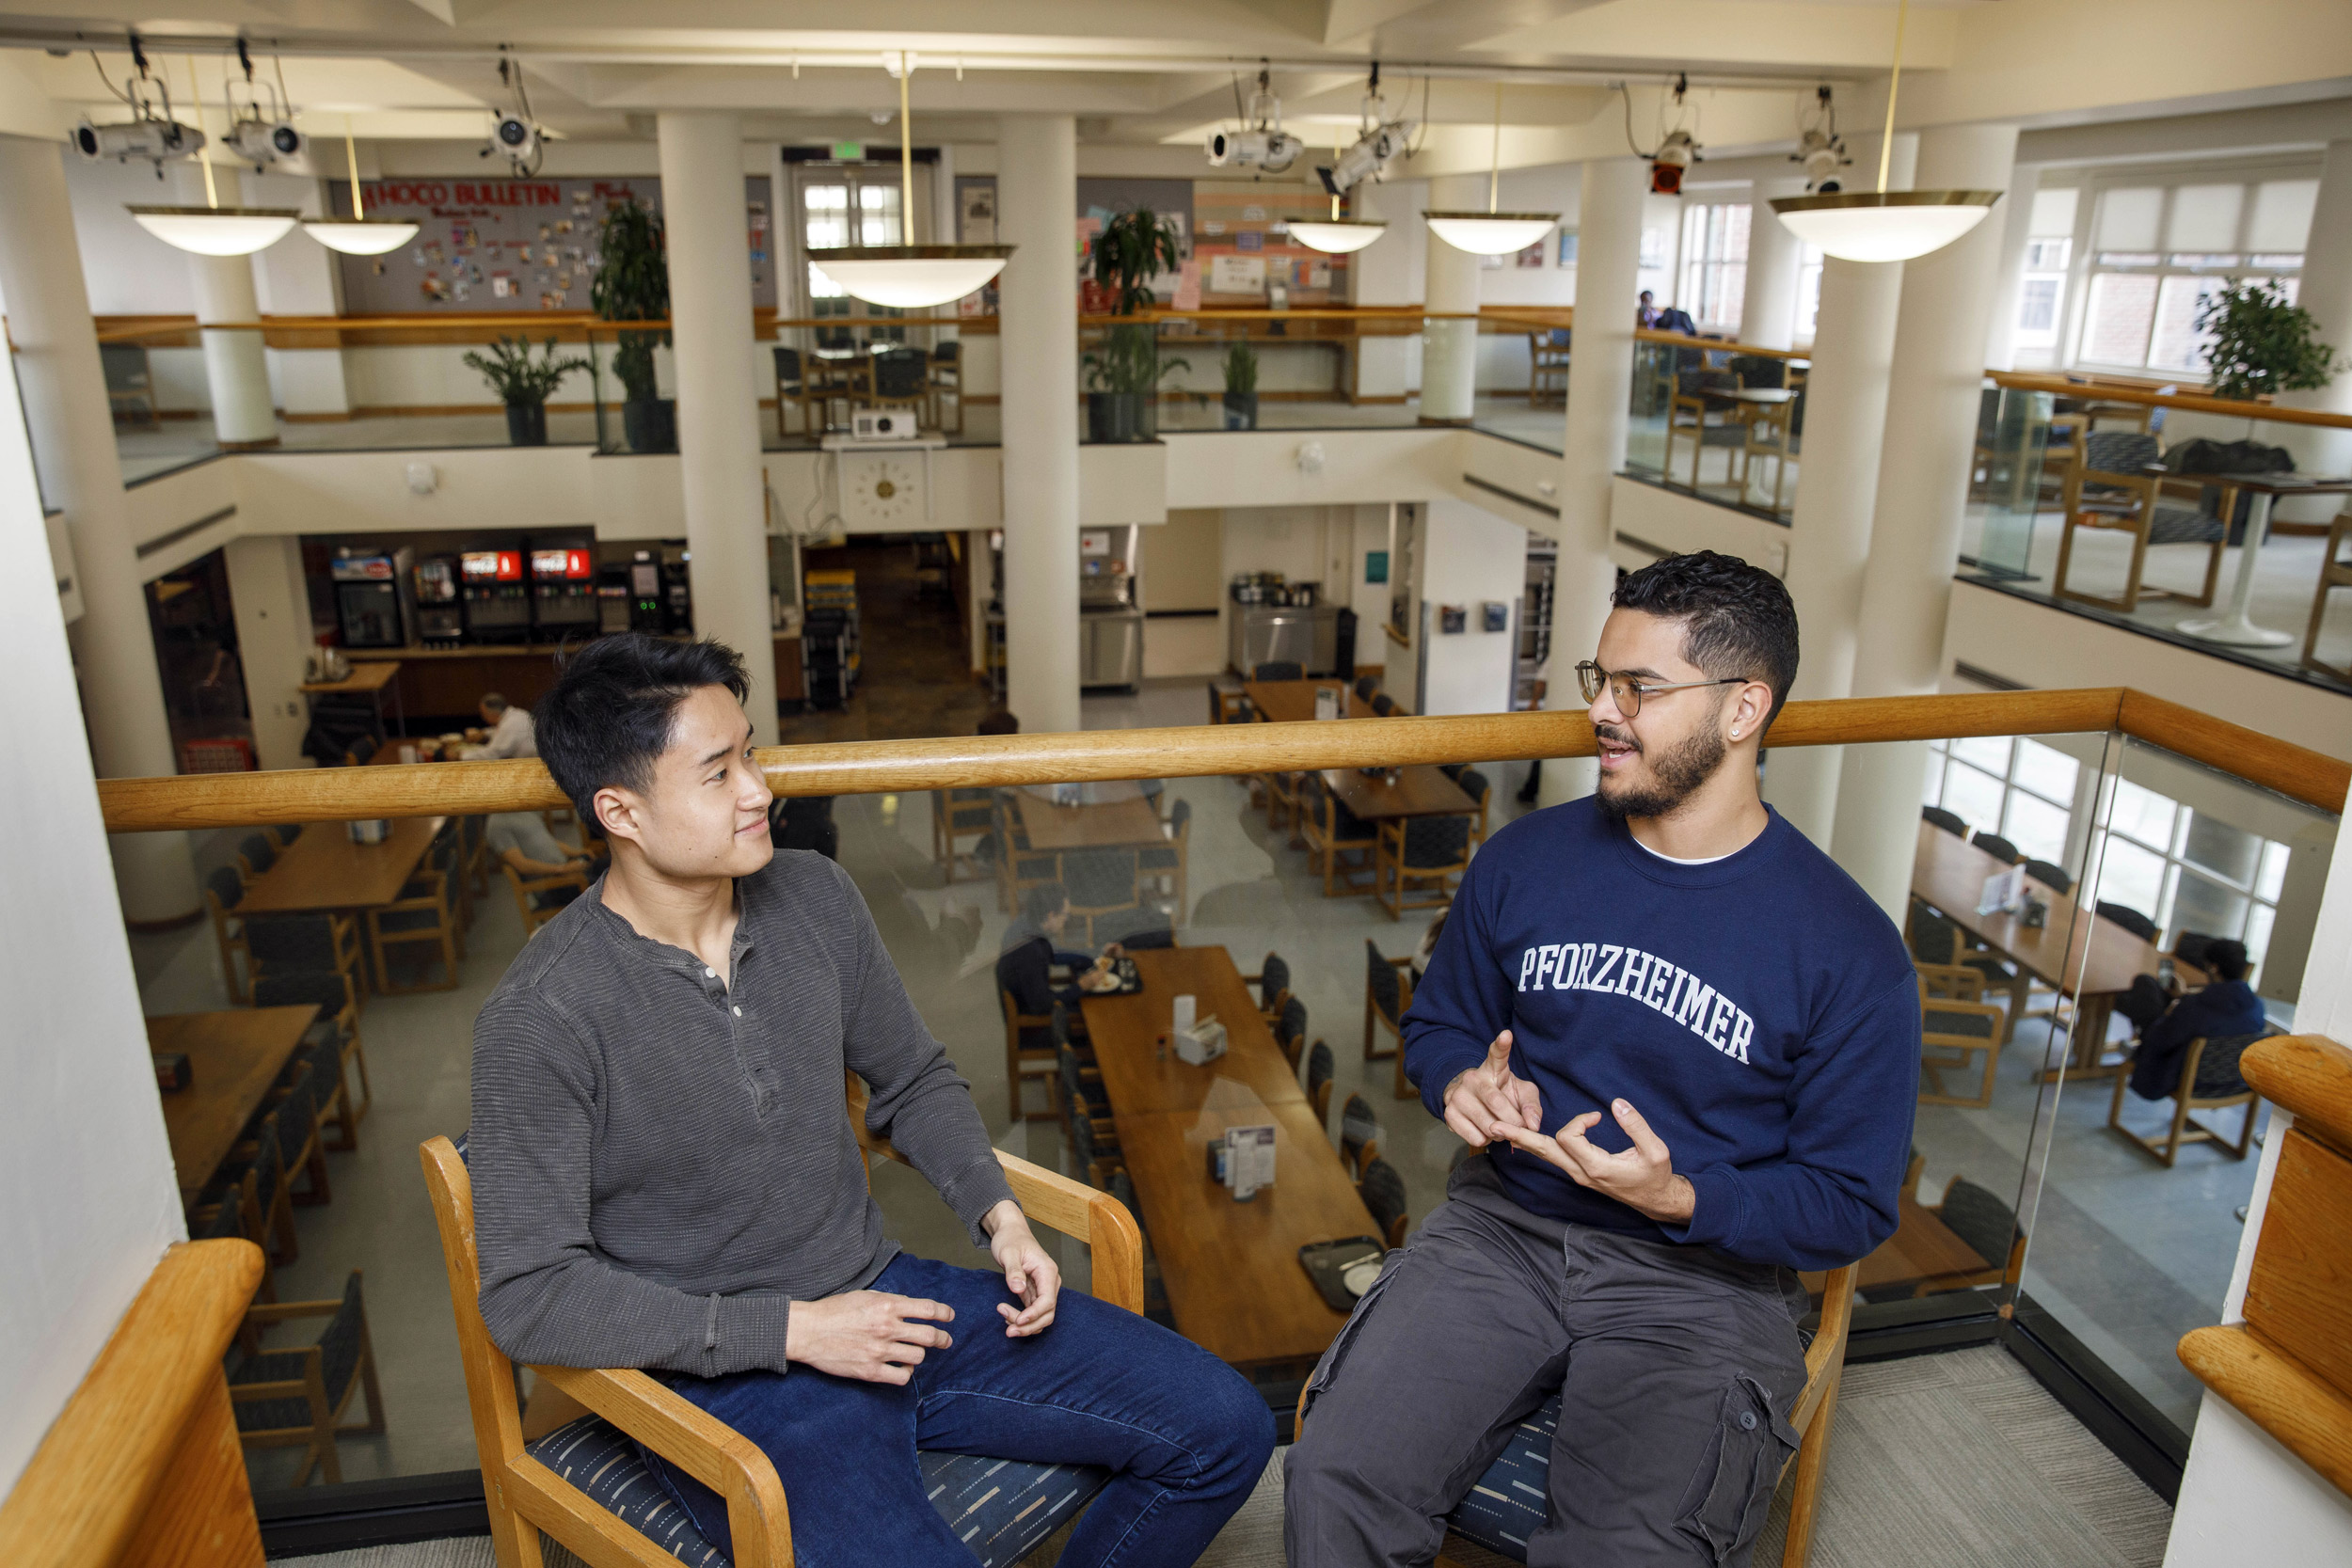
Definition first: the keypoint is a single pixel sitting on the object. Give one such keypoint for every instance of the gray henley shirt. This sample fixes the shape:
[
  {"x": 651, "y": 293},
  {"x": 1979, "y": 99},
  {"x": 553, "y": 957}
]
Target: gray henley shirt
[{"x": 661, "y": 1162}]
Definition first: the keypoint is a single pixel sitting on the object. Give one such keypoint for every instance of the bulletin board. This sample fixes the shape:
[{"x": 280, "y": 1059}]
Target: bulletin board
[
  {"x": 500, "y": 245},
  {"x": 1242, "y": 244}
]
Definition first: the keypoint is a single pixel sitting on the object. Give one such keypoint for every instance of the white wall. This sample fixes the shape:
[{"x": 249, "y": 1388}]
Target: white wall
[
  {"x": 93, "y": 1201},
  {"x": 1471, "y": 557},
  {"x": 129, "y": 271}
]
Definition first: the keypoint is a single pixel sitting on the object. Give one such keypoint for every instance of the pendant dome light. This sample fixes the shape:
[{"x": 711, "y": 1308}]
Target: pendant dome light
[
  {"x": 1883, "y": 225},
  {"x": 358, "y": 234},
  {"x": 214, "y": 230},
  {"x": 1490, "y": 232},
  {"x": 910, "y": 276}
]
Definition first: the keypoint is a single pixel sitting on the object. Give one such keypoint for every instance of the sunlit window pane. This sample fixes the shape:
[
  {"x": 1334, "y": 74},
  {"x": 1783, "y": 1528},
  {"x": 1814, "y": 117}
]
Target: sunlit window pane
[
  {"x": 2282, "y": 214},
  {"x": 1975, "y": 795},
  {"x": 826, "y": 222},
  {"x": 2273, "y": 877},
  {"x": 2036, "y": 827},
  {"x": 1988, "y": 752},
  {"x": 2128, "y": 218},
  {"x": 2230, "y": 853},
  {"x": 2047, "y": 771},
  {"x": 2202, "y": 904},
  {"x": 2143, "y": 813},
  {"x": 2178, "y": 344},
  {"x": 2258, "y": 923},
  {"x": 2132, "y": 875},
  {"x": 1931, "y": 785},
  {"x": 2123, "y": 307},
  {"x": 878, "y": 215}
]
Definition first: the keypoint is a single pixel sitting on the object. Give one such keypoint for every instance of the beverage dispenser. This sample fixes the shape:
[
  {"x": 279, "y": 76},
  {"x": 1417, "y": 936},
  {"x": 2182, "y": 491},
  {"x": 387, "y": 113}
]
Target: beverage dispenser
[
  {"x": 440, "y": 618},
  {"x": 372, "y": 598},
  {"x": 497, "y": 602},
  {"x": 563, "y": 591}
]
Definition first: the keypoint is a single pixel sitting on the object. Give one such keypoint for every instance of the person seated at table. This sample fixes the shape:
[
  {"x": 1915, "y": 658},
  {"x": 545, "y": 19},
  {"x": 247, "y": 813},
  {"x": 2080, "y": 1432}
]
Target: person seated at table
[
  {"x": 2225, "y": 1005},
  {"x": 1686, "y": 1046},
  {"x": 521, "y": 839},
  {"x": 510, "y": 733},
  {"x": 666, "y": 1178},
  {"x": 1032, "y": 951}
]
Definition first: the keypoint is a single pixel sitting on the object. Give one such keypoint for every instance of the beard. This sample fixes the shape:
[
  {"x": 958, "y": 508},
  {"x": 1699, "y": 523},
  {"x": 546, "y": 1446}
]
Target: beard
[{"x": 1675, "y": 774}]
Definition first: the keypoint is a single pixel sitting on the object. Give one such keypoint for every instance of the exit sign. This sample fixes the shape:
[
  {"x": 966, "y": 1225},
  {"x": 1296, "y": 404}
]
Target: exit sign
[{"x": 849, "y": 151}]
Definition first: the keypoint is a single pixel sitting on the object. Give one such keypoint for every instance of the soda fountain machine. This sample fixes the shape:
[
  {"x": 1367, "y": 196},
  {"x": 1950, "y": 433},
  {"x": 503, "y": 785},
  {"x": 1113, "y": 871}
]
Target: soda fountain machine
[
  {"x": 496, "y": 601},
  {"x": 440, "y": 617},
  {"x": 563, "y": 591}
]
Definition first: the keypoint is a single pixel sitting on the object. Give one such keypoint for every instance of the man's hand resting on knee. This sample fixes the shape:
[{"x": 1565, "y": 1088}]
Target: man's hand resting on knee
[
  {"x": 869, "y": 1334},
  {"x": 1484, "y": 1100},
  {"x": 1029, "y": 1272}
]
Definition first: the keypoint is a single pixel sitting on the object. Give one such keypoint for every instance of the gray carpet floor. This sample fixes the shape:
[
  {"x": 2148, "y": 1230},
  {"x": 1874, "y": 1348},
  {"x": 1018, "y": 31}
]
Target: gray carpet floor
[{"x": 1957, "y": 1461}]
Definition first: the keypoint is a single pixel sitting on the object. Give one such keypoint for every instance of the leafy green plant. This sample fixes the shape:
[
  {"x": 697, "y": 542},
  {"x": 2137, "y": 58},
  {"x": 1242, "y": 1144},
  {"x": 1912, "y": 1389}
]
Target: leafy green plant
[
  {"x": 1129, "y": 361},
  {"x": 516, "y": 374},
  {"x": 2262, "y": 343},
  {"x": 632, "y": 283},
  {"x": 1131, "y": 249},
  {"x": 1241, "y": 367}
]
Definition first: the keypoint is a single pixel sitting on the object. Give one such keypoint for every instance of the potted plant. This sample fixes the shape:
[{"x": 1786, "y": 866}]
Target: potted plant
[
  {"x": 1241, "y": 386},
  {"x": 523, "y": 382},
  {"x": 1123, "y": 376},
  {"x": 2262, "y": 343},
  {"x": 632, "y": 283}
]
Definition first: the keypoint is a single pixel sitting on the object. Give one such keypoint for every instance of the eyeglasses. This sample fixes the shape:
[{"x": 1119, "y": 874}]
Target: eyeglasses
[{"x": 1627, "y": 693}]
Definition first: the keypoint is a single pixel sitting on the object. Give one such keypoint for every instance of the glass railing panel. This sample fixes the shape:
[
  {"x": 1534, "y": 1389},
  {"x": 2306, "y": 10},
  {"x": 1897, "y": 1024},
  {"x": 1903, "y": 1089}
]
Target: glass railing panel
[
  {"x": 814, "y": 373},
  {"x": 2136, "y": 1233},
  {"x": 2141, "y": 508},
  {"x": 1720, "y": 420}
]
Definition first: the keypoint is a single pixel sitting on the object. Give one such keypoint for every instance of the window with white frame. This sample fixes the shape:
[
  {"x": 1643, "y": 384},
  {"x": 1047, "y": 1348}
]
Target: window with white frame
[
  {"x": 2159, "y": 251},
  {"x": 2049, "y": 253},
  {"x": 2188, "y": 871},
  {"x": 2011, "y": 785},
  {"x": 1715, "y": 264}
]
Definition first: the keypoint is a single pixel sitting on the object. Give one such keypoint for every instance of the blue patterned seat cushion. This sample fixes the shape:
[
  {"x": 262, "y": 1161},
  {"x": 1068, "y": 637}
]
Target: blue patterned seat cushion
[
  {"x": 1001, "y": 1508},
  {"x": 1510, "y": 1502}
]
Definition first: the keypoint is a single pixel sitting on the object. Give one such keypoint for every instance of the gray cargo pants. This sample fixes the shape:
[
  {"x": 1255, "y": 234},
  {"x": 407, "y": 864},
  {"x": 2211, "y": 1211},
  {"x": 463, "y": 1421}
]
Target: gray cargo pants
[{"x": 1677, "y": 1365}]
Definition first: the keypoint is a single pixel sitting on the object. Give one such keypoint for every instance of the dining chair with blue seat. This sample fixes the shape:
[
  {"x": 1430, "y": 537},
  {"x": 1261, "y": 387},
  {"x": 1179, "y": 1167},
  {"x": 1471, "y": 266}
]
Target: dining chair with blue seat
[
  {"x": 1510, "y": 1499},
  {"x": 576, "y": 1481}
]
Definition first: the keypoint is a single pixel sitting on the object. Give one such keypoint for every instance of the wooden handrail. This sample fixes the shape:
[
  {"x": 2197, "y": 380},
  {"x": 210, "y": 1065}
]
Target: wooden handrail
[
  {"x": 1717, "y": 345},
  {"x": 2286, "y": 1366},
  {"x": 854, "y": 768},
  {"x": 124, "y": 1474},
  {"x": 2190, "y": 402}
]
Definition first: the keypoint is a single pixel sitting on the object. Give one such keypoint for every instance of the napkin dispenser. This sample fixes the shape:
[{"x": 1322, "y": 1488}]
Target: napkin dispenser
[{"x": 1202, "y": 1043}]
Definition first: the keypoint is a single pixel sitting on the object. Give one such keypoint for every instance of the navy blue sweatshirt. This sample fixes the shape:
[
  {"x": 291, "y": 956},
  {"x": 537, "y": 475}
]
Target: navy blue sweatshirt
[{"x": 1759, "y": 1011}]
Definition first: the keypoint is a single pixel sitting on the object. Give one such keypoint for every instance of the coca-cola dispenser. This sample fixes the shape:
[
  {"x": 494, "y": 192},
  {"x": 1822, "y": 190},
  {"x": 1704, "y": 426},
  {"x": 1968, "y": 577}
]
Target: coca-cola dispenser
[
  {"x": 497, "y": 600},
  {"x": 562, "y": 591}
]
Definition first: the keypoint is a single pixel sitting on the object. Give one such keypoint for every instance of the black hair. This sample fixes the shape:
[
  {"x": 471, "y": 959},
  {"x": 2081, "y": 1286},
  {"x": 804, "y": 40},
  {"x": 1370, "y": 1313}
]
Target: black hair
[
  {"x": 615, "y": 704},
  {"x": 1042, "y": 901},
  {"x": 1737, "y": 619},
  {"x": 2226, "y": 959},
  {"x": 999, "y": 722}
]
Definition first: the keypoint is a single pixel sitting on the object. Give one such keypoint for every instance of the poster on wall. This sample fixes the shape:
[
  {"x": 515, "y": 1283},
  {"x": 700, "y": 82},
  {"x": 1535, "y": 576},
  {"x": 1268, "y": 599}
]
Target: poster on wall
[
  {"x": 509, "y": 245},
  {"x": 1237, "y": 218},
  {"x": 1237, "y": 274}
]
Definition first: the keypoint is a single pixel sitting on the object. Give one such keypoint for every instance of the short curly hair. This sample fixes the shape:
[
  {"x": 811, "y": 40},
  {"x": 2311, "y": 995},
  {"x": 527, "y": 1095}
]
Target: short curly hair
[
  {"x": 615, "y": 703},
  {"x": 1737, "y": 619}
]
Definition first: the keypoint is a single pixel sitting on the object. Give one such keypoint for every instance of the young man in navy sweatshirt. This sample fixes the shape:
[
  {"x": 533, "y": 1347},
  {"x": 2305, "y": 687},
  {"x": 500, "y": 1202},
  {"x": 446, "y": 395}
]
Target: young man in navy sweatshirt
[{"x": 1688, "y": 1046}]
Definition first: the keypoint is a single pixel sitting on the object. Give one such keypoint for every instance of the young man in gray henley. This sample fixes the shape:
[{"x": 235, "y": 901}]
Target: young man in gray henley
[{"x": 665, "y": 1175}]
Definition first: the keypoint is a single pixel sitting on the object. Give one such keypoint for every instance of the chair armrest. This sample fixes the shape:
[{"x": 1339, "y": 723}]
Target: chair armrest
[
  {"x": 554, "y": 878},
  {"x": 282, "y": 1312},
  {"x": 703, "y": 1445}
]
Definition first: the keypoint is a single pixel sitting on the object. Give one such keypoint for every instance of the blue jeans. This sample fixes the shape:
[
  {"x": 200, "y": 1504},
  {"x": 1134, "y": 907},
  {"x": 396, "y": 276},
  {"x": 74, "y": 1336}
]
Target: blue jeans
[{"x": 1186, "y": 1436}]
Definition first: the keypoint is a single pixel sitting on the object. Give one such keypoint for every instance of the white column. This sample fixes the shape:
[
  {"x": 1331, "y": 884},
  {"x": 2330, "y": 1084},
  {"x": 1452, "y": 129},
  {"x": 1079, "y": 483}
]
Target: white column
[
  {"x": 1768, "y": 309},
  {"x": 1449, "y": 353},
  {"x": 718, "y": 395},
  {"x": 2015, "y": 217},
  {"x": 1829, "y": 526},
  {"x": 1601, "y": 387},
  {"x": 299, "y": 276},
  {"x": 273, "y": 614},
  {"x": 1932, "y": 400},
  {"x": 1036, "y": 208},
  {"x": 229, "y": 314},
  {"x": 73, "y": 442}
]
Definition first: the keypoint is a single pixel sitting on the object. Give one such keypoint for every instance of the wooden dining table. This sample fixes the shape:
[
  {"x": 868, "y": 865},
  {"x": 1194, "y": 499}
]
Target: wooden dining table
[
  {"x": 1126, "y": 1033},
  {"x": 1232, "y": 1269},
  {"x": 2077, "y": 953},
  {"x": 233, "y": 1058},
  {"x": 325, "y": 870},
  {"x": 1922, "y": 1247},
  {"x": 1293, "y": 701},
  {"x": 1420, "y": 790},
  {"x": 1111, "y": 824}
]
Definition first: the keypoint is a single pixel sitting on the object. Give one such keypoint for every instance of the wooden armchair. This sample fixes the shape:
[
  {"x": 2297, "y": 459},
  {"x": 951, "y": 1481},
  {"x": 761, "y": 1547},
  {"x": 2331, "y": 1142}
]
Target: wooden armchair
[
  {"x": 1499, "y": 1515},
  {"x": 2119, "y": 486},
  {"x": 1950, "y": 1032},
  {"x": 530, "y": 900},
  {"x": 2209, "y": 1080},
  {"x": 1025, "y": 1062},
  {"x": 1333, "y": 832},
  {"x": 296, "y": 1398},
  {"x": 525, "y": 1493},
  {"x": 426, "y": 913},
  {"x": 1428, "y": 852},
  {"x": 956, "y": 816}
]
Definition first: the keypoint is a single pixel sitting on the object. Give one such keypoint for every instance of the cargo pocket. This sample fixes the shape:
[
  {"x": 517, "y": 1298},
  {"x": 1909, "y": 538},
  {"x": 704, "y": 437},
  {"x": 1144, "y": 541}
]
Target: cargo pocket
[
  {"x": 1731, "y": 1491},
  {"x": 1328, "y": 1367}
]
